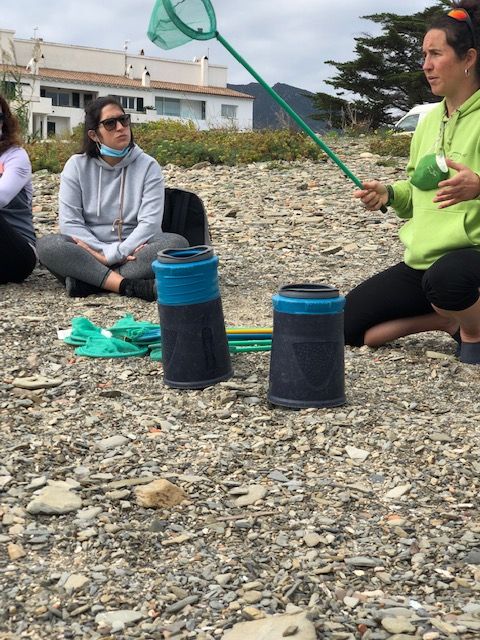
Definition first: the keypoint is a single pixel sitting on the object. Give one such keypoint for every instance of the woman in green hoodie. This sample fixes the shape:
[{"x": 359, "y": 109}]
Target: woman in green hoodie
[{"x": 436, "y": 287}]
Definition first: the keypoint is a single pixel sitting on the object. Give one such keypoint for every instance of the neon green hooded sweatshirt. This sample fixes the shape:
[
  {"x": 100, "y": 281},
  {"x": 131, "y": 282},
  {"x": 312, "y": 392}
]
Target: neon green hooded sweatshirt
[{"x": 430, "y": 232}]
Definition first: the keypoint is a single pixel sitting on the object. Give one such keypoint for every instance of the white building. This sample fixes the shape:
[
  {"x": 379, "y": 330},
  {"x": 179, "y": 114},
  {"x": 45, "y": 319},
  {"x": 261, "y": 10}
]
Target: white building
[{"x": 59, "y": 80}]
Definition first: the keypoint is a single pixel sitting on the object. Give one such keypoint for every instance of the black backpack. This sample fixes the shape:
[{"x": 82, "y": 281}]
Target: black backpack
[{"x": 185, "y": 214}]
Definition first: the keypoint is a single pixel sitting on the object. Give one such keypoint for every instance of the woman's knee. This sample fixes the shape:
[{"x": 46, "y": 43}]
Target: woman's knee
[
  {"x": 452, "y": 282},
  {"x": 170, "y": 241},
  {"x": 49, "y": 246}
]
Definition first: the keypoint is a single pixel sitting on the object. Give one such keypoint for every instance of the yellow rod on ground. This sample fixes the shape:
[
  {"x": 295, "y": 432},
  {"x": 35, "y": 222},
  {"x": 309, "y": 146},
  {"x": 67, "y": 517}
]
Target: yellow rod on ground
[{"x": 249, "y": 330}]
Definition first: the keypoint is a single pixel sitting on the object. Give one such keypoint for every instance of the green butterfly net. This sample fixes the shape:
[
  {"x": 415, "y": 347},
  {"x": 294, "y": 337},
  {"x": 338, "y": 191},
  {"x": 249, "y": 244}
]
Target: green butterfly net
[{"x": 176, "y": 22}]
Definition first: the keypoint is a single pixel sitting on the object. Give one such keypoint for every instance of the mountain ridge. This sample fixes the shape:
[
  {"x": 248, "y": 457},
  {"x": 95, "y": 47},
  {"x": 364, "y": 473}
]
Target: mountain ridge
[{"x": 268, "y": 114}]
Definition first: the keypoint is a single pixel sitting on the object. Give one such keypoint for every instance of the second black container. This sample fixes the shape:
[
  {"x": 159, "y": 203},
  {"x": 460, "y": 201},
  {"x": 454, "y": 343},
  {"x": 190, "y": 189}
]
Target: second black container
[{"x": 307, "y": 359}]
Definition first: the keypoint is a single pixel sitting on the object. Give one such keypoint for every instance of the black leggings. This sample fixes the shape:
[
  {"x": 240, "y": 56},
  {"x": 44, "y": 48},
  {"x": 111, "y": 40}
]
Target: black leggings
[
  {"x": 451, "y": 283},
  {"x": 17, "y": 258}
]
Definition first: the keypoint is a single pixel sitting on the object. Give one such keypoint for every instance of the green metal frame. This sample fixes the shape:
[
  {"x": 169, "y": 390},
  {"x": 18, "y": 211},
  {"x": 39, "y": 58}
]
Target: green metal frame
[{"x": 184, "y": 28}]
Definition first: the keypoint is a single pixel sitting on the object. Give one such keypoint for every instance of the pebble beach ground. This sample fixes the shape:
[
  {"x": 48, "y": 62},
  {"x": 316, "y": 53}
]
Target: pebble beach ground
[{"x": 359, "y": 522}]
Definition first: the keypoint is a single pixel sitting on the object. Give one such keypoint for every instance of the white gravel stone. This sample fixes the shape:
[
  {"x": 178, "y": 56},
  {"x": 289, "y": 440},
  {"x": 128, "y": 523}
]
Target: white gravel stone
[
  {"x": 55, "y": 501},
  {"x": 398, "y": 625},
  {"x": 357, "y": 454},
  {"x": 118, "y": 620},
  {"x": 312, "y": 539},
  {"x": 255, "y": 492},
  {"x": 75, "y": 582},
  {"x": 398, "y": 492},
  {"x": 114, "y": 442},
  {"x": 273, "y": 627}
]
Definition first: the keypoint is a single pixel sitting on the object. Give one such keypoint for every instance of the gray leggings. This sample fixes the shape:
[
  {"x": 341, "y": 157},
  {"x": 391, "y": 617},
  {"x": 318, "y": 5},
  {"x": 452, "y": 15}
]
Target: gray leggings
[{"x": 63, "y": 257}]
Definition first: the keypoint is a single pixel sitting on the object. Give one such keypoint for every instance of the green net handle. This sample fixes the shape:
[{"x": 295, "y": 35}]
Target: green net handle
[
  {"x": 303, "y": 125},
  {"x": 184, "y": 28},
  {"x": 213, "y": 33}
]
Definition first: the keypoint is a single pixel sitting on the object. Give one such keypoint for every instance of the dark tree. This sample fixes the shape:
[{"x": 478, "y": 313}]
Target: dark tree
[{"x": 385, "y": 75}]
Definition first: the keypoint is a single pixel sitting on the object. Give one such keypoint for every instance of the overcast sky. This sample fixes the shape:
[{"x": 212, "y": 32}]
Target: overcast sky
[{"x": 283, "y": 40}]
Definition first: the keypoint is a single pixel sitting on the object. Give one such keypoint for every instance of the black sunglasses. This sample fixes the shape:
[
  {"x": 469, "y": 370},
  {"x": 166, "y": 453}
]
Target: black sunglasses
[{"x": 110, "y": 124}]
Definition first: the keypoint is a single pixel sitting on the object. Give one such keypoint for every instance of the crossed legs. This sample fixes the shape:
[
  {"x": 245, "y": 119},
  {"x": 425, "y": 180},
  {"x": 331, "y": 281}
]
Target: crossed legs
[{"x": 64, "y": 258}]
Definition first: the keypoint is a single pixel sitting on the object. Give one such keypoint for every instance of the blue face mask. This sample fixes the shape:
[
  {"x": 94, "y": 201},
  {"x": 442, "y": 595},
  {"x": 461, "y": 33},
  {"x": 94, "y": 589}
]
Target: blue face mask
[{"x": 113, "y": 153}]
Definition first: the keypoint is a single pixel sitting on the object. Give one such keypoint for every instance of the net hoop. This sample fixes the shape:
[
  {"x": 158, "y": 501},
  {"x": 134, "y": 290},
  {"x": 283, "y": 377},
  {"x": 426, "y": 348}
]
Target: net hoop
[{"x": 188, "y": 31}]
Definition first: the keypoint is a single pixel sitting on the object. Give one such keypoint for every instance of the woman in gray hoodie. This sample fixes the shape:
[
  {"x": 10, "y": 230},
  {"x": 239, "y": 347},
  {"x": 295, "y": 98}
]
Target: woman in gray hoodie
[{"x": 110, "y": 212}]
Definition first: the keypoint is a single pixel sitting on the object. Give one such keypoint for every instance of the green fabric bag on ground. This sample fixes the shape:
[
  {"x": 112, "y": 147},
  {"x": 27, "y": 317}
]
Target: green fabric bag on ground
[
  {"x": 82, "y": 330},
  {"x": 156, "y": 353},
  {"x": 101, "y": 347},
  {"x": 129, "y": 328}
]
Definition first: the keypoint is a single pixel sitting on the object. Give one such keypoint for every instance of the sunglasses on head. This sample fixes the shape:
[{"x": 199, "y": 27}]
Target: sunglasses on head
[
  {"x": 110, "y": 124},
  {"x": 462, "y": 16}
]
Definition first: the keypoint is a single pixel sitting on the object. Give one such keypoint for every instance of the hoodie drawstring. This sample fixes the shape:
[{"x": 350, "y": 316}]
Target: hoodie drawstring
[
  {"x": 118, "y": 222},
  {"x": 99, "y": 192}
]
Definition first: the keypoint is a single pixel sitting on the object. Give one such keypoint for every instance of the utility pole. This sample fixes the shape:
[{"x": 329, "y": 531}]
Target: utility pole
[{"x": 125, "y": 48}]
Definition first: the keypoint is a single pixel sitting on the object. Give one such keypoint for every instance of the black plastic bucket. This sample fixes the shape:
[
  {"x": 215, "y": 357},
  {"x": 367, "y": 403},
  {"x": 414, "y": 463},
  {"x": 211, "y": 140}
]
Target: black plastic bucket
[
  {"x": 307, "y": 360},
  {"x": 194, "y": 341}
]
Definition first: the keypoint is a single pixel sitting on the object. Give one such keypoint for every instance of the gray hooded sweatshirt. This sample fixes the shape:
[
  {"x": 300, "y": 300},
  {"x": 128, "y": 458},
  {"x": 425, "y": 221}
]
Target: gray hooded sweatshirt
[{"x": 113, "y": 209}]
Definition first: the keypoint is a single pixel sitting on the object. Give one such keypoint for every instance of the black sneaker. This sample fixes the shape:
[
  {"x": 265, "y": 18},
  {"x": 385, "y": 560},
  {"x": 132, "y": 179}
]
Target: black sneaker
[
  {"x": 78, "y": 289},
  {"x": 143, "y": 289}
]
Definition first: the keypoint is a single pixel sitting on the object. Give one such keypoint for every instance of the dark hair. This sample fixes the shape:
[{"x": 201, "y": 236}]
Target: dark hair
[
  {"x": 92, "y": 118},
  {"x": 10, "y": 129},
  {"x": 458, "y": 33}
]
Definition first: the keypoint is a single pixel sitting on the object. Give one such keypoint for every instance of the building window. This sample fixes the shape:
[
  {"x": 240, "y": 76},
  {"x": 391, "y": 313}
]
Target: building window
[
  {"x": 167, "y": 107},
  {"x": 140, "y": 106},
  {"x": 129, "y": 102},
  {"x": 171, "y": 107},
  {"x": 58, "y": 99},
  {"x": 61, "y": 98},
  {"x": 229, "y": 111},
  {"x": 191, "y": 109},
  {"x": 64, "y": 100}
]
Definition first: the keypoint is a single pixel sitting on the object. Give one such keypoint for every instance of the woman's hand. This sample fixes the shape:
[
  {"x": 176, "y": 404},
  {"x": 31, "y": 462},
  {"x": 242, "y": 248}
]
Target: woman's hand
[
  {"x": 374, "y": 195},
  {"x": 133, "y": 256},
  {"x": 463, "y": 186},
  {"x": 98, "y": 255}
]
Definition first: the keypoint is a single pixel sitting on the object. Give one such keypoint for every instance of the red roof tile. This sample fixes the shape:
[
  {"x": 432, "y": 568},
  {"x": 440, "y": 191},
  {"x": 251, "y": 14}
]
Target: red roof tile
[{"x": 106, "y": 80}]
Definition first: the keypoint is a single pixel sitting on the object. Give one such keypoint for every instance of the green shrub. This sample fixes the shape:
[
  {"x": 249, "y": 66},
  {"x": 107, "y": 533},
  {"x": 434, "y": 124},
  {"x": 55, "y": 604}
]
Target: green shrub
[
  {"x": 50, "y": 154},
  {"x": 388, "y": 144},
  {"x": 171, "y": 142},
  {"x": 184, "y": 145}
]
